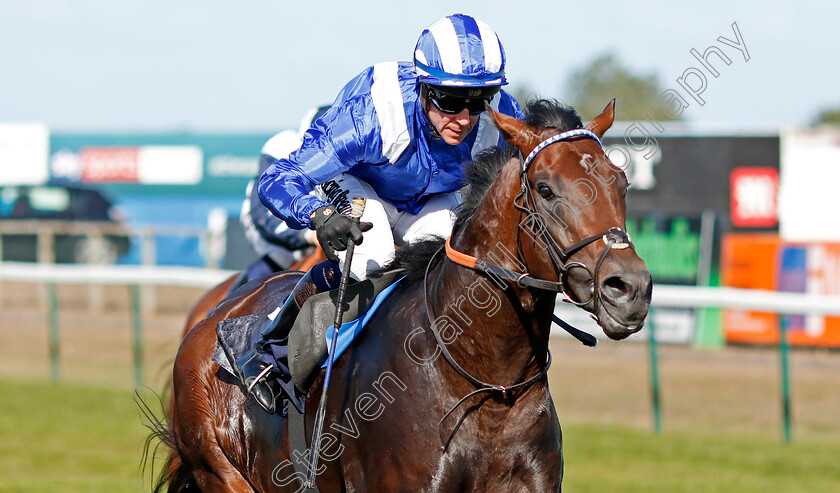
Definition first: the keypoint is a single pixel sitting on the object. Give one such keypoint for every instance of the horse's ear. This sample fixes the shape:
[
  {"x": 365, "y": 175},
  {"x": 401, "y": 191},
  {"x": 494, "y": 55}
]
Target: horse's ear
[
  {"x": 604, "y": 121},
  {"x": 515, "y": 132}
]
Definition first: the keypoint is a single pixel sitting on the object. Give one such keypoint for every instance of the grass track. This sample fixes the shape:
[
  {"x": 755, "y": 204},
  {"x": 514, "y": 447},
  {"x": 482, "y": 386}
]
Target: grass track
[
  {"x": 600, "y": 459},
  {"x": 68, "y": 438},
  {"x": 73, "y": 438}
]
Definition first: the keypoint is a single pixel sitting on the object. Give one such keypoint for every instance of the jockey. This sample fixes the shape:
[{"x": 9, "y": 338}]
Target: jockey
[
  {"x": 398, "y": 135},
  {"x": 278, "y": 246}
]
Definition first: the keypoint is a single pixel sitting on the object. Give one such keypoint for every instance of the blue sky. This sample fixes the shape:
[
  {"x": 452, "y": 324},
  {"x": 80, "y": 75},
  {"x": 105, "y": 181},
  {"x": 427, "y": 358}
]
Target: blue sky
[{"x": 258, "y": 65}]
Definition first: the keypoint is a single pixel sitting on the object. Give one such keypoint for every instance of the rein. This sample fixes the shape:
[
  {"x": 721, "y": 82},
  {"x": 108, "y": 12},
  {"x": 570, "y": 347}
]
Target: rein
[{"x": 482, "y": 386}]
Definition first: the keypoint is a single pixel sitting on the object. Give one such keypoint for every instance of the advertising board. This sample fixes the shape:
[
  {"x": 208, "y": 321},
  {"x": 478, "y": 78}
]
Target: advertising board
[
  {"x": 24, "y": 154},
  {"x": 753, "y": 261},
  {"x": 154, "y": 165}
]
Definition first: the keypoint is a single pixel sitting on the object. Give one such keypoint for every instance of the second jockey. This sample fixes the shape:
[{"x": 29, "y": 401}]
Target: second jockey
[{"x": 279, "y": 246}]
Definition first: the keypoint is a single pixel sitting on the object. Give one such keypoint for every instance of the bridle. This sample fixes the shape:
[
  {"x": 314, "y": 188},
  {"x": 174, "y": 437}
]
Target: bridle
[{"x": 525, "y": 204}]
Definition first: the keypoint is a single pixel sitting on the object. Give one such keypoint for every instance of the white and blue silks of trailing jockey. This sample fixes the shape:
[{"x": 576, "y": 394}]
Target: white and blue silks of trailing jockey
[
  {"x": 376, "y": 130},
  {"x": 268, "y": 235}
]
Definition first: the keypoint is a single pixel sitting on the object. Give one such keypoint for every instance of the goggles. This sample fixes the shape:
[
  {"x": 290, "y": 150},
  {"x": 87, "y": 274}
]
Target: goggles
[{"x": 452, "y": 105}]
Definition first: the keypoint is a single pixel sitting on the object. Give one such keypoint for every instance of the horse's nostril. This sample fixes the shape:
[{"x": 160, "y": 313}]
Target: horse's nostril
[{"x": 617, "y": 285}]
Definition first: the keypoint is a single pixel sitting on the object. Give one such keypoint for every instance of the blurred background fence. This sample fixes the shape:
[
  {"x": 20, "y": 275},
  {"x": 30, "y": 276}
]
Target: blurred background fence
[{"x": 69, "y": 341}]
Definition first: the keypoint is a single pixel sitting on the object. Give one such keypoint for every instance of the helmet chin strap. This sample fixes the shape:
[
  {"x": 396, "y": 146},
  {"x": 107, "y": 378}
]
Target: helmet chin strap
[{"x": 425, "y": 105}]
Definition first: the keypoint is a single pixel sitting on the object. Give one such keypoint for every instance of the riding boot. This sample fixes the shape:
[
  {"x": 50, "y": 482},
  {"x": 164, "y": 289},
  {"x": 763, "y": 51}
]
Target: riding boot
[{"x": 254, "y": 372}]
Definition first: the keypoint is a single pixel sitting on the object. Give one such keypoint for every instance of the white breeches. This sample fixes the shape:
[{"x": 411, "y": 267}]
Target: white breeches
[{"x": 390, "y": 227}]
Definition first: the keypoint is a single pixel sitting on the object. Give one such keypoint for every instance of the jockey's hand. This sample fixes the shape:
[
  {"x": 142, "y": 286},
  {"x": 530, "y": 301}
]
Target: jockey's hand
[{"x": 335, "y": 231}]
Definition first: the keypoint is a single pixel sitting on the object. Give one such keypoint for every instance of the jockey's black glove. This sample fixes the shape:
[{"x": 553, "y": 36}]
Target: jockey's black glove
[{"x": 335, "y": 230}]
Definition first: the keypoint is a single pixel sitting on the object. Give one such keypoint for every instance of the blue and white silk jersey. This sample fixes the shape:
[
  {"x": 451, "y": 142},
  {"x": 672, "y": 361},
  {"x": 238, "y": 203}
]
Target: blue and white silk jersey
[{"x": 377, "y": 131}]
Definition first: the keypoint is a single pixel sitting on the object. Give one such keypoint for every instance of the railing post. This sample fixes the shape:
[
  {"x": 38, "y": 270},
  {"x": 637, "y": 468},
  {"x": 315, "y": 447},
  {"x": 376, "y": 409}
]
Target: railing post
[
  {"x": 54, "y": 337},
  {"x": 148, "y": 258},
  {"x": 785, "y": 378},
  {"x": 45, "y": 254},
  {"x": 654, "y": 374},
  {"x": 96, "y": 292},
  {"x": 707, "y": 326},
  {"x": 137, "y": 333},
  {"x": 46, "y": 245}
]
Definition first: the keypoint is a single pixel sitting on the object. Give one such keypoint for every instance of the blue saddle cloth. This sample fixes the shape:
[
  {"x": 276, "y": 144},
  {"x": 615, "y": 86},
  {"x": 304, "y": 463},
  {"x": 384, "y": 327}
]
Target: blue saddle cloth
[
  {"x": 237, "y": 336},
  {"x": 349, "y": 330}
]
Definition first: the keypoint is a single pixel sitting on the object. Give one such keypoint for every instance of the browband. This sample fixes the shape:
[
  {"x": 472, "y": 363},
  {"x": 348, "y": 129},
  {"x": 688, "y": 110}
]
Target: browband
[{"x": 578, "y": 132}]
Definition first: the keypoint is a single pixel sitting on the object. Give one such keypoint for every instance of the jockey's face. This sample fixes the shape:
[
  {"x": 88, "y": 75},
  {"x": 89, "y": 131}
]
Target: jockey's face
[{"x": 453, "y": 128}]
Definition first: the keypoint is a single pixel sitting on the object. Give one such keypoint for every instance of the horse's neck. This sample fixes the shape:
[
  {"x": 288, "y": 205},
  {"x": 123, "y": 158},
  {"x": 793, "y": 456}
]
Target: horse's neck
[{"x": 502, "y": 331}]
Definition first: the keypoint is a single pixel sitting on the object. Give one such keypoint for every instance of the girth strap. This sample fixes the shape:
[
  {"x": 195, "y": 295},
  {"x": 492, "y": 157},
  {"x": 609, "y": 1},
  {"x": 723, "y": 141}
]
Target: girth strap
[{"x": 296, "y": 423}]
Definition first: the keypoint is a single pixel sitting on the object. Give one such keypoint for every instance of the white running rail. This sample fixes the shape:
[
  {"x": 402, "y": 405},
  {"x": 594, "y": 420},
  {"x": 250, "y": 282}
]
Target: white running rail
[{"x": 664, "y": 296}]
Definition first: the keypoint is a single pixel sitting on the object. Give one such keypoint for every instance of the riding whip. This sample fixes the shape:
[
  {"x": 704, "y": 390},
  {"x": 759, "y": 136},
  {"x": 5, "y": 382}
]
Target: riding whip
[{"x": 357, "y": 207}]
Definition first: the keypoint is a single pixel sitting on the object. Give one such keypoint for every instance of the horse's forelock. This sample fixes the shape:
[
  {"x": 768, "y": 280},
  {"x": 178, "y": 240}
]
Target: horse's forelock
[{"x": 553, "y": 114}]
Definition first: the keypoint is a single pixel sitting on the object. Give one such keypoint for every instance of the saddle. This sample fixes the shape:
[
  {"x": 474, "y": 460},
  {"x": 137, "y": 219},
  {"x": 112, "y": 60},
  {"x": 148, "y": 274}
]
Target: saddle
[
  {"x": 307, "y": 345},
  {"x": 307, "y": 342}
]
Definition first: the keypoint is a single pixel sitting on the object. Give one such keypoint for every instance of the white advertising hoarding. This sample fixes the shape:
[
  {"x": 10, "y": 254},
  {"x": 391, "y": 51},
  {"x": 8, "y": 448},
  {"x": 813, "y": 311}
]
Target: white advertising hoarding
[
  {"x": 809, "y": 177},
  {"x": 24, "y": 153},
  {"x": 153, "y": 165},
  {"x": 180, "y": 165}
]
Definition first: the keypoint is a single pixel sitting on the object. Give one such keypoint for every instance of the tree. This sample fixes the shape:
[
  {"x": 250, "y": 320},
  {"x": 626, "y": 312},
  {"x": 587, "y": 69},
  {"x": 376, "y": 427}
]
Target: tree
[
  {"x": 522, "y": 92},
  {"x": 828, "y": 116},
  {"x": 591, "y": 87}
]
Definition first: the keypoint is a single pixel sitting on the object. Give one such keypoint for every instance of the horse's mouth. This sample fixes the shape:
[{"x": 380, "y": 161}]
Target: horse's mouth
[
  {"x": 613, "y": 327},
  {"x": 619, "y": 329}
]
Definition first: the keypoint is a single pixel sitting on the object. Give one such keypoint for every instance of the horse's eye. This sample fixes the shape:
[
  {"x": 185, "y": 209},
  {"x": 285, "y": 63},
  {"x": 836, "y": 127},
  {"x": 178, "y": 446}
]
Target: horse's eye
[{"x": 544, "y": 191}]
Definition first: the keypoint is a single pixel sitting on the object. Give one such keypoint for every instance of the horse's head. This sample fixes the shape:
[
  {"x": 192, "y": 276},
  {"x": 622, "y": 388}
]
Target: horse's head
[{"x": 572, "y": 218}]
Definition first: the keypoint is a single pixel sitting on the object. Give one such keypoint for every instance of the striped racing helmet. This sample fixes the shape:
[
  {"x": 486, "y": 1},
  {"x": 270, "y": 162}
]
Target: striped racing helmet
[{"x": 460, "y": 51}]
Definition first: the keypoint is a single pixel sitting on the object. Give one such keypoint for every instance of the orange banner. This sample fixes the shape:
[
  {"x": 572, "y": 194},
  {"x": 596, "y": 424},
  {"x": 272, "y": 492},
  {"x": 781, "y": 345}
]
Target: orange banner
[{"x": 761, "y": 261}]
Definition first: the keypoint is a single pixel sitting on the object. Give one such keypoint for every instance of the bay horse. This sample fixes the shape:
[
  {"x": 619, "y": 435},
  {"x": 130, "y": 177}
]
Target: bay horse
[{"x": 409, "y": 404}]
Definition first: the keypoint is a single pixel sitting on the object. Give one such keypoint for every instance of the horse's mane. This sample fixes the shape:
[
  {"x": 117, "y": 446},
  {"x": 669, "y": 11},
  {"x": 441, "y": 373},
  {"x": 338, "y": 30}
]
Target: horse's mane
[{"x": 480, "y": 175}]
